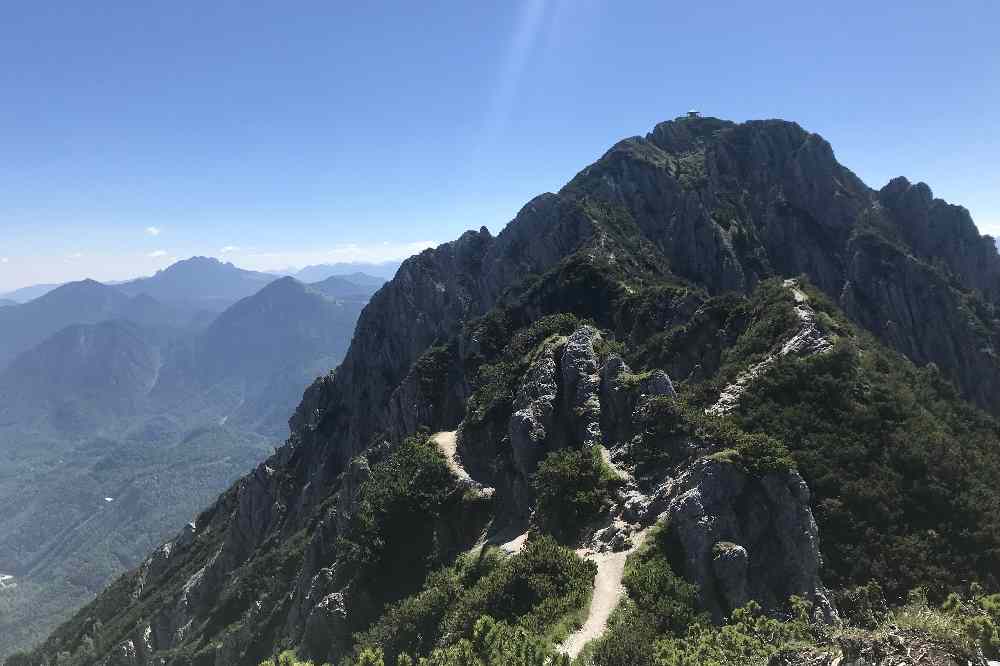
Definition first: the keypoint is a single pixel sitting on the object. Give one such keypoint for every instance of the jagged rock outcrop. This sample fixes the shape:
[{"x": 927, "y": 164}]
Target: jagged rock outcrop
[
  {"x": 743, "y": 537},
  {"x": 731, "y": 204},
  {"x": 941, "y": 232},
  {"x": 581, "y": 386},
  {"x": 534, "y": 417},
  {"x": 739, "y": 536}
]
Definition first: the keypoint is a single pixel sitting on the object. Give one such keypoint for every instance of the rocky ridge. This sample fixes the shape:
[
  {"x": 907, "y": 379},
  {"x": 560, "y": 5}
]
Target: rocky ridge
[{"x": 704, "y": 201}]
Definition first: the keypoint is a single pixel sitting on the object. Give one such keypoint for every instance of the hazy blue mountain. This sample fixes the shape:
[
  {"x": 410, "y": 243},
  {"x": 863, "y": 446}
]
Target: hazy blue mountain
[
  {"x": 259, "y": 354},
  {"x": 364, "y": 279},
  {"x": 4, "y": 302},
  {"x": 159, "y": 418},
  {"x": 25, "y": 294},
  {"x": 84, "y": 302},
  {"x": 320, "y": 272},
  {"x": 199, "y": 279},
  {"x": 23, "y": 326},
  {"x": 82, "y": 376},
  {"x": 356, "y": 285}
]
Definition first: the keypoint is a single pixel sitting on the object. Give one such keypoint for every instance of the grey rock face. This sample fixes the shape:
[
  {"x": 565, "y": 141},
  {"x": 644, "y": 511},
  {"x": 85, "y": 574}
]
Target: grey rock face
[
  {"x": 729, "y": 565},
  {"x": 316, "y": 581},
  {"x": 581, "y": 385},
  {"x": 913, "y": 308},
  {"x": 658, "y": 384},
  {"x": 729, "y": 204},
  {"x": 940, "y": 231},
  {"x": 744, "y": 538},
  {"x": 533, "y": 417}
]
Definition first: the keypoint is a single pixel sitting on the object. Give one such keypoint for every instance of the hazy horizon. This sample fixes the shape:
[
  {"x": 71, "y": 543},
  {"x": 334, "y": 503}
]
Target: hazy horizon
[{"x": 348, "y": 266}]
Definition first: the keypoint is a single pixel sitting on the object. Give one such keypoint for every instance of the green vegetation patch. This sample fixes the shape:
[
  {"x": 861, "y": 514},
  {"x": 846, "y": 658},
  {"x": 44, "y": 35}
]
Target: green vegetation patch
[
  {"x": 668, "y": 425},
  {"x": 526, "y": 595},
  {"x": 497, "y": 379},
  {"x": 391, "y": 542},
  {"x": 903, "y": 473},
  {"x": 572, "y": 487},
  {"x": 533, "y": 589}
]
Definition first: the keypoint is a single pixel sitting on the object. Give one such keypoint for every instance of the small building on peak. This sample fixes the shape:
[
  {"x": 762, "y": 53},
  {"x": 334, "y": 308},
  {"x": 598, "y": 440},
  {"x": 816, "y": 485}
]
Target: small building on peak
[{"x": 694, "y": 113}]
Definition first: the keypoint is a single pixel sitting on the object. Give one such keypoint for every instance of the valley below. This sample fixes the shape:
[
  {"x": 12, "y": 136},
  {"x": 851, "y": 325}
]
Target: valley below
[{"x": 117, "y": 433}]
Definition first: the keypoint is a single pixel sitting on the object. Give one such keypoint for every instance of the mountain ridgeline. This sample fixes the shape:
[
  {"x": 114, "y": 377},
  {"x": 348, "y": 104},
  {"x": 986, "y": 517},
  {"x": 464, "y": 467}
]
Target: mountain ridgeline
[{"x": 715, "y": 355}]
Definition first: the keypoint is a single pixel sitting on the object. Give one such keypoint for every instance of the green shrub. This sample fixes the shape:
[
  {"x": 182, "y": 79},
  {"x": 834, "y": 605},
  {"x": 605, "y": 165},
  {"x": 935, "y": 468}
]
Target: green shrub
[
  {"x": 287, "y": 658},
  {"x": 413, "y": 625},
  {"x": 493, "y": 644},
  {"x": 507, "y": 356},
  {"x": 530, "y": 593},
  {"x": 750, "y": 637},
  {"x": 667, "y": 425},
  {"x": 863, "y": 606},
  {"x": 903, "y": 474},
  {"x": 391, "y": 541},
  {"x": 666, "y": 598},
  {"x": 572, "y": 487},
  {"x": 534, "y": 590},
  {"x": 978, "y": 617}
]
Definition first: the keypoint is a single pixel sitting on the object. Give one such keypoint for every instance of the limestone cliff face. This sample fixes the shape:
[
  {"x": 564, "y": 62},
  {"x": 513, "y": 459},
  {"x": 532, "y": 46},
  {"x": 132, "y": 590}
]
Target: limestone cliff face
[{"x": 714, "y": 204}]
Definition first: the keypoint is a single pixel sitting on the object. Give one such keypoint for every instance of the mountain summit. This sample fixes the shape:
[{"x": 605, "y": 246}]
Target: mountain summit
[
  {"x": 715, "y": 378},
  {"x": 199, "y": 279}
]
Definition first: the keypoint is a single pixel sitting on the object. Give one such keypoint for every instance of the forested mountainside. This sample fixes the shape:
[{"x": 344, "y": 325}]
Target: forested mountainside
[
  {"x": 115, "y": 432},
  {"x": 715, "y": 367}
]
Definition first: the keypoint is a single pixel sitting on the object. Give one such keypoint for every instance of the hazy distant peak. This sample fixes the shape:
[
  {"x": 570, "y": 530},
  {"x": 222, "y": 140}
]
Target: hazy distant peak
[{"x": 199, "y": 279}]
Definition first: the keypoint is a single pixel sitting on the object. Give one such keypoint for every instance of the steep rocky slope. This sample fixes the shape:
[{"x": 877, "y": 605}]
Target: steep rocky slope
[{"x": 557, "y": 350}]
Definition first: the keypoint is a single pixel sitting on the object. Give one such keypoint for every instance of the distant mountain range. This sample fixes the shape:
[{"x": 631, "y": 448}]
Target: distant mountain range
[
  {"x": 85, "y": 302},
  {"x": 25, "y": 294},
  {"x": 155, "y": 393},
  {"x": 199, "y": 279},
  {"x": 386, "y": 270},
  {"x": 226, "y": 282}
]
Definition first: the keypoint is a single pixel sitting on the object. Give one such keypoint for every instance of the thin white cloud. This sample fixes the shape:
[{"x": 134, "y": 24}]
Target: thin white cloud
[
  {"x": 157, "y": 253},
  {"x": 229, "y": 248},
  {"x": 75, "y": 255},
  {"x": 153, "y": 231},
  {"x": 4, "y": 260}
]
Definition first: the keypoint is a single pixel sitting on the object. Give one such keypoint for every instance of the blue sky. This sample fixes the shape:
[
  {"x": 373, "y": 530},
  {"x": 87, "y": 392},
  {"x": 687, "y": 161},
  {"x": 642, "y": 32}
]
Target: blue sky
[{"x": 290, "y": 133}]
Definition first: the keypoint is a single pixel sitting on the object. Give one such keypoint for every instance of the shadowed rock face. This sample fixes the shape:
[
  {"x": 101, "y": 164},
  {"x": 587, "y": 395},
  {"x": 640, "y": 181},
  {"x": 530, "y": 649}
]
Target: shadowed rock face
[{"x": 717, "y": 204}]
